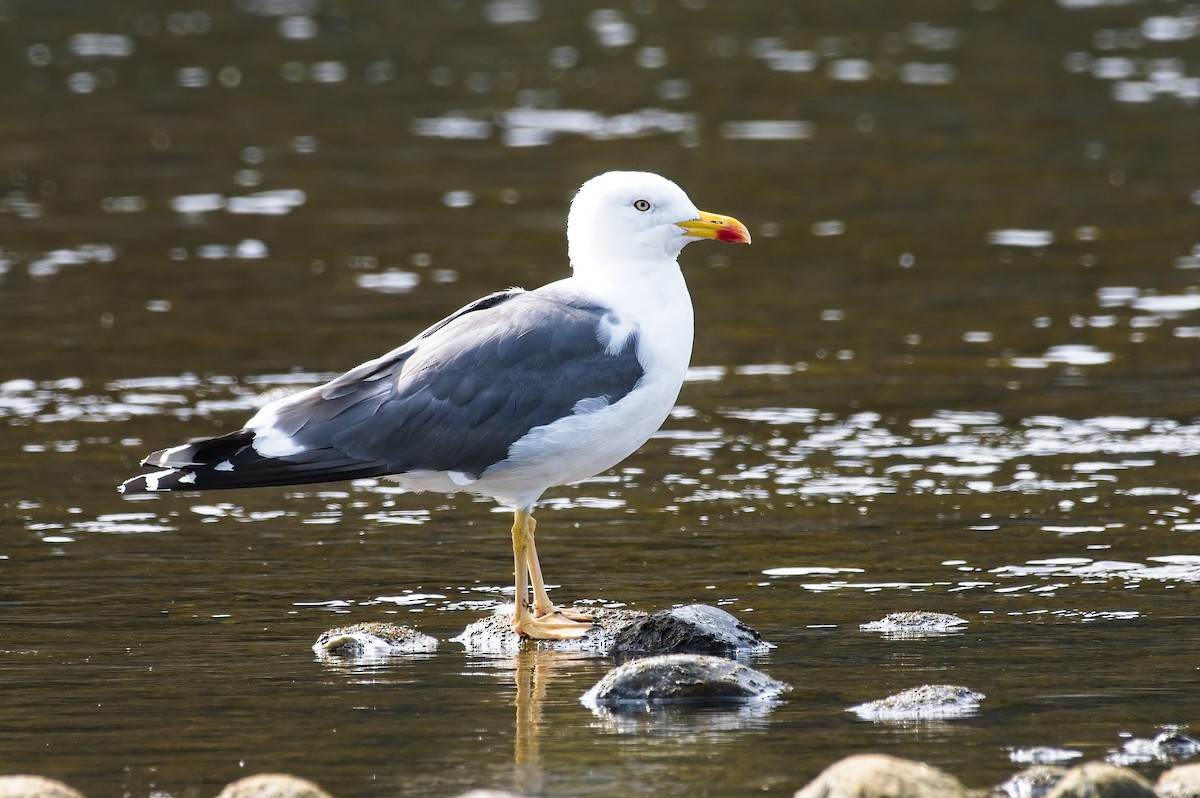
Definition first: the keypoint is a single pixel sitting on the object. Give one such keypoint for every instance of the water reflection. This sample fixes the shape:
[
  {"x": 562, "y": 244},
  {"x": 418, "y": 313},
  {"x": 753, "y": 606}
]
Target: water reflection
[{"x": 687, "y": 724}]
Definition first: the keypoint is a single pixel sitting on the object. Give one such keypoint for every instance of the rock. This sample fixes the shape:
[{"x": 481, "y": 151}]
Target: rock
[
  {"x": 881, "y": 776},
  {"x": 1181, "y": 781},
  {"x": 1172, "y": 742},
  {"x": 693, "y": 629},
  {"x": 1043, "y": 755},
  {"x": 1169, "y": 744},
  {"x": 909, "y": 625},
  {"x": 272, "y": 785},
  {"x": 35, "y": 787},
  {"x": 1101, "y": 780},
  {"x": 494, "y": 634},
  {"x": 373, "y": 640},
  {"x": 927, "y": 702},
  {"x": 1032, "y": 782},
  {"x": 680, "y": 678}
]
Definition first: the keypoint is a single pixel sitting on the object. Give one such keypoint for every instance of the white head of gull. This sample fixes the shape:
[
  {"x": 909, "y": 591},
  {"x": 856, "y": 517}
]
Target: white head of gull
[{"x": 518, "y": 392}]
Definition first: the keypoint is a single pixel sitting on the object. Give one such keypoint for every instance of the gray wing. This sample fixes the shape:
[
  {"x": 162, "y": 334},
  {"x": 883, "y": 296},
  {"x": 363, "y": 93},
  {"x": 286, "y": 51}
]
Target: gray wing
[{"x": 455, "y": 398}]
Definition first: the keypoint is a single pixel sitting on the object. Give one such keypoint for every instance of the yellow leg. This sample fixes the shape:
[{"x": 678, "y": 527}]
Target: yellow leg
[
  {"x": 545, "y": 622},
  {"x": 542, "y": 605}
]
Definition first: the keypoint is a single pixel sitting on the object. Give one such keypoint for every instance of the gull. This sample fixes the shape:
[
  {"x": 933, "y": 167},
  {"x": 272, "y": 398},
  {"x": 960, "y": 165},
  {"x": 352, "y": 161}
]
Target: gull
[{"x": 516, "y": 393}]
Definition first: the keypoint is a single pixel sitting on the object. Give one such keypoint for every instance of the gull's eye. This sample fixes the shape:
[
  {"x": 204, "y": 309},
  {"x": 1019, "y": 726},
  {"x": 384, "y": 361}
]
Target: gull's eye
[{"x": 641, "y": 204}]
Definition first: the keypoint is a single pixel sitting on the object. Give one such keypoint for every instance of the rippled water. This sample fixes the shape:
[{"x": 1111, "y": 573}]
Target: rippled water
[{"x": 956, "y": 372}]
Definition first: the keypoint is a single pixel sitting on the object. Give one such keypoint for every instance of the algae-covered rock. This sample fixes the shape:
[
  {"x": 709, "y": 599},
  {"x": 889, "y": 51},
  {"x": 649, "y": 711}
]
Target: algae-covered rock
[
  {"x": 927, "y": 702},
  {"x": 912, "y": 625},
  {"x": 373, "y": 640}
]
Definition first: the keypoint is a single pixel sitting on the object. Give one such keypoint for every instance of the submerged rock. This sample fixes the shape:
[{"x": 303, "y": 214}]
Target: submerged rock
[
  {"x": 1032, "y": 782},
  {"x": 882, "y": 776},
  {"x": 1101, "y": 780},
  {"x": 494, "y": 634},
  {"x": 927, "y": 702},
  {"x": 692, "y": 629},
  {"x": 1181, "y": 781},
  {"x": 35, "y": 787},
  {"x": 680, "y": 678},
  {"x": 909, "y": 625},
  {"x": 1043, "y": 754},
  {"x": 272, "y": 785},
  {"x": 373, "y": 640},
  {"x": 1169, "y": 744}
]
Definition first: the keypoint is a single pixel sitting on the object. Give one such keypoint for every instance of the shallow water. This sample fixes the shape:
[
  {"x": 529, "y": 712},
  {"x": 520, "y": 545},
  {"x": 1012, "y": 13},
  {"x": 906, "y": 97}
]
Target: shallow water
[{"x": 956, "y": 372}]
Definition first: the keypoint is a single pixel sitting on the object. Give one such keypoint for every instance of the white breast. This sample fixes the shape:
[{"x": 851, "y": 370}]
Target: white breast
[{"x": 594, "y": 440}]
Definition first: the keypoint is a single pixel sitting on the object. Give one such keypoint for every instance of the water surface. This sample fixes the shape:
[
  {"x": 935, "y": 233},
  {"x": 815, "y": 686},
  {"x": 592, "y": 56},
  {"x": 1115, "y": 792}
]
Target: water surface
[{"x": 956, "y": 372}]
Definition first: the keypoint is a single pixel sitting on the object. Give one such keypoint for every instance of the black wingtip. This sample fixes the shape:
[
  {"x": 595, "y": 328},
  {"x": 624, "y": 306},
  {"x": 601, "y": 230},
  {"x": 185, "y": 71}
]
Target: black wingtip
[{"x": 171, "y": 479}]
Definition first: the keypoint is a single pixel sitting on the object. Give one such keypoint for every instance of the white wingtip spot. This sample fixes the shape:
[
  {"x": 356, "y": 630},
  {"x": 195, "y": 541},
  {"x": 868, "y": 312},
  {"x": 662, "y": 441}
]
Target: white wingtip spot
[
  {"x": 224, "y": 465},
  {"x": 272, "y": 443},
  {"x": 152, "y": 479}
]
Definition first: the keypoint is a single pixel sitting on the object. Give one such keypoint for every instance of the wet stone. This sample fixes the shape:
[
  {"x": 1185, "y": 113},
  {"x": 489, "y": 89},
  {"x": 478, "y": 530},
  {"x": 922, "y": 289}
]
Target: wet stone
[
  {"x": 1168, "y": 745},
  {"x": 680, "y": 678},
  {"x": 927, "y": 702},
  {"x": 1043, "y": 755},
  {"x": 1181, "y": 781},
  {"x": 915, "y": 624},
  {"x": 882, "y": 776},
  {"x": 1101, "y": 780},
  {"x": 1032, "y": 782},
  {"x": 272, "y": 785},
  {"x": 373, "y": 640},
  {"x": 35, "y": 787},
  {"x": 494, "y": 634},
  {"x": 692, "y": 629}
]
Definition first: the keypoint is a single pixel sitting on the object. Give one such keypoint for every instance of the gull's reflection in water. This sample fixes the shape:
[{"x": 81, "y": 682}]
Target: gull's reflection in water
[{"x": 535, "y": 673}]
